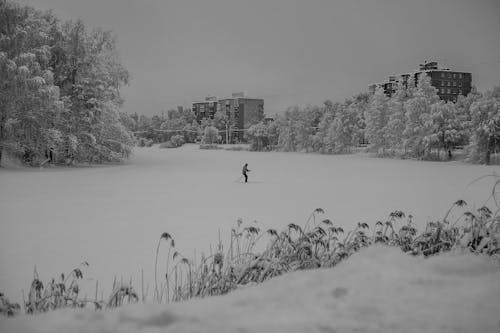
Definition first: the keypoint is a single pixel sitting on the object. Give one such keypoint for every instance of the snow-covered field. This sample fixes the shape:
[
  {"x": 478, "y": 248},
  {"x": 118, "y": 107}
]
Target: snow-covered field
[
  {"x": 376, "y": 290},
  {"x": 113, "y": 216}
]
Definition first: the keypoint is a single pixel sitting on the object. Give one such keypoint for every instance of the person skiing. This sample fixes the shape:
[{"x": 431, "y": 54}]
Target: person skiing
[{"x": 244, "y": 171}]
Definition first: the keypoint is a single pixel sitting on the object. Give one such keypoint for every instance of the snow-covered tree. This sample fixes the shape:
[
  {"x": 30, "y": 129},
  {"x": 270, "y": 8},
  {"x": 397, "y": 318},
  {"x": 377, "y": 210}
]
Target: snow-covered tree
[
  {"x": 273, "y": 129},
  {"x": 128, "y": 121},
  {"x": 485, "y": 139},
  {"x": 343, "y": 133},
  {"x": 306, "y": 123},
  {"x": 287, "y": 139},
  {"x": 447, "y": 126},
  {"x": 361, "y": 104},
  {"x": 322, "y": 138},
  {"x": 191, "y": 131},
  {"x": 396, "y": 122},
  {"x": 463, "y": 106},
  {"x": 59, "y": 88},
  {"x": 224, "y": 122},
  {"x": 376, "y": 121},
  {"x": 210, "y": 135},
  {"x": 418, "y": 129},
  {"x": 29, "y": 101},
  {"x": 257, "y": 136}
]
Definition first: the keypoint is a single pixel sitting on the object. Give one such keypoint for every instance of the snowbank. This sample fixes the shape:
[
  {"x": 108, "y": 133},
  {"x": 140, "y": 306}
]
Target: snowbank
[{"x": 376, "y": 290}]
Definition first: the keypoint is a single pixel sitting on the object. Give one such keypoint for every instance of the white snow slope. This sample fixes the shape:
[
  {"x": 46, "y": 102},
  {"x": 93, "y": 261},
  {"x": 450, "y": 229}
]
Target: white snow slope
[
  {"x": 378, "y": 289},
  {"x": 113, "y": 216}
]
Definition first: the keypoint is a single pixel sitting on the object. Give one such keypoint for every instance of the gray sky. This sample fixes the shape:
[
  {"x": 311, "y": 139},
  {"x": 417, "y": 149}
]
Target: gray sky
[{"x": 286, "y": 51}]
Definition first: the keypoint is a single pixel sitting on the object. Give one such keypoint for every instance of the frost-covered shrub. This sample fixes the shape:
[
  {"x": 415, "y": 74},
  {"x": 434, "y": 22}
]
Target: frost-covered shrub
[
  {"x": 177, "y": 140},
  {"x": 257, "y": 136},
  {"x": 210, "y": 135},
  {"x": 167, "y": 144},
  {"x": 143, "y": 142},
  {"x": 7, "y": 308}
]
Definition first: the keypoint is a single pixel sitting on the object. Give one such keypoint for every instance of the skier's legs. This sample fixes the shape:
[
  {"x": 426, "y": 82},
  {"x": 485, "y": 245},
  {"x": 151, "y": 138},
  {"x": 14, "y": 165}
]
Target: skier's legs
[{"x": 246, "y": 177}]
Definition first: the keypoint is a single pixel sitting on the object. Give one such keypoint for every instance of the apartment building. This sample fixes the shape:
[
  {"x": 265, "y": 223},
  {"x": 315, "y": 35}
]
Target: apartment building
[
  {"x": 242, "y": 112},
  {"x": 449, "y": 84}
]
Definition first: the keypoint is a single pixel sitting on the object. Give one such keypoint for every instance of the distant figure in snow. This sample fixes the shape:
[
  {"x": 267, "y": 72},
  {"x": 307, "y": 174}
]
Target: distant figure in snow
[{"x": 245, "y": 170}]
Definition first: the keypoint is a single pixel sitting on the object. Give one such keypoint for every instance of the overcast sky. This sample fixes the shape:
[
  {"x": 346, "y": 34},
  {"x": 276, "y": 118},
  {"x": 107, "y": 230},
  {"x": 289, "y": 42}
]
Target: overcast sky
[{"x": 286, "y": 51}]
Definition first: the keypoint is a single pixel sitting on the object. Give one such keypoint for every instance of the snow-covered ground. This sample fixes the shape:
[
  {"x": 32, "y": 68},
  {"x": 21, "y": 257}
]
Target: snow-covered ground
[
  {"x": 113, "y": 216},
  {"x": 378, "y": 289}
]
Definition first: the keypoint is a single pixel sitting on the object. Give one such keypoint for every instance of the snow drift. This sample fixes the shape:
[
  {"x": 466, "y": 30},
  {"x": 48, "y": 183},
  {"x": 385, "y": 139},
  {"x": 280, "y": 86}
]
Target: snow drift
[{"x": 379, "y": 289}]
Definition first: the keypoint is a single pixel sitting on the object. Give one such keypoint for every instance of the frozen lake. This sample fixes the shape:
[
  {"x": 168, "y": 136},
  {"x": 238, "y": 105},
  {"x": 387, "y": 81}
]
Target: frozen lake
[{"x": 112, "y": 216}]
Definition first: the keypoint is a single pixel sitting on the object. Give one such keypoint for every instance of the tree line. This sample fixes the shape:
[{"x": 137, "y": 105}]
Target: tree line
[
  {"x": 413, "y": 123},
  {"x": 59, "y": 89},
  {"x": 182, "y": 123}
]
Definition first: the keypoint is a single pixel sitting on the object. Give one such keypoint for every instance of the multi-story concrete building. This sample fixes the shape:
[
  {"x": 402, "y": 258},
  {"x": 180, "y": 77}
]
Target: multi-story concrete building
[
  {"x": 449, "y": 84},
  {"x": 205, "y": 109},
  {"x": 242, "y": 112}
]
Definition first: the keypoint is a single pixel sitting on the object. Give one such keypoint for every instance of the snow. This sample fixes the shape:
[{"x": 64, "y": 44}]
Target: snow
[
  {"x": 379, "y": 289},
  {"x": 113, "y": 216}
]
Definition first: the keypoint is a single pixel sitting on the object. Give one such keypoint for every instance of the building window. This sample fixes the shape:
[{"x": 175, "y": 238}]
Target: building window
[
  {"x": 460, "y": 76},
  {"x": 448, "y": 91},
  {"x": 460, "y": 91},
  {"x": 454, "y": 83},
  {"x": 442, "y": 74},
  {"x": 459, "y": 83},
  {"x": 442, "y": 83},
  {"x": 441, "y": 90}
]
